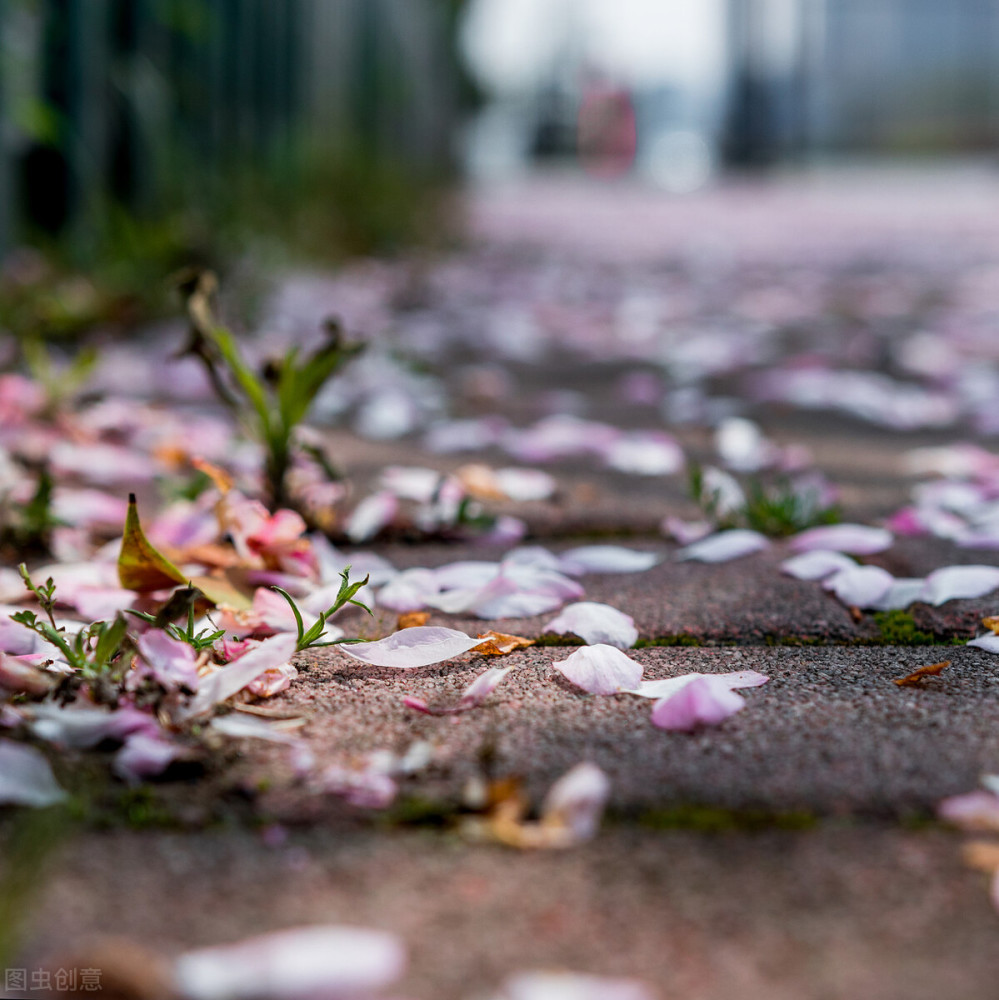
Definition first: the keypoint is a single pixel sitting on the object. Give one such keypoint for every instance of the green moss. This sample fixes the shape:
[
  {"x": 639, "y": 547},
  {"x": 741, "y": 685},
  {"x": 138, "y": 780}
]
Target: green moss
[
  {"x": 556, "y": 639},
  {"x": 898, "y": 628},
  {"x": 416, "y": 810},
  {"x": 679, "y": 639},
  {"x": 715, "y": 819}
]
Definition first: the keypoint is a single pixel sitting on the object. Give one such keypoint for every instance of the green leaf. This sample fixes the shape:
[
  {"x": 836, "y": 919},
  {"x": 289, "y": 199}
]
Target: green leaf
[{"x": 109, "y": 639}]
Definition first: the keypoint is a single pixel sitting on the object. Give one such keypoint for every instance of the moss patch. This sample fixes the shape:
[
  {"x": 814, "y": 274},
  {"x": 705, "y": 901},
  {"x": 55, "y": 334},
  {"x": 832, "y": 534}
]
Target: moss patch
[{"x": 714, "y": 819}]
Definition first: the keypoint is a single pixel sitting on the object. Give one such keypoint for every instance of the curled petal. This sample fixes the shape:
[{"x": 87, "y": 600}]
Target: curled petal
[
  {"x": 856, "y": 539},
  {"x": 724, "y": 545},
  {"x": 606, "y": 559},
  {"x": 413, "y": 647},
  {"x": 600, "y": 669},
  {"x": 860, "y": 586},
  {"x": 816, "y": 564},
  {"x": 594, "y": 622},
  {"x": 473, "y": 696},
  {"x": 576, "y": 801},
  {"x": 953, "y": 582}
]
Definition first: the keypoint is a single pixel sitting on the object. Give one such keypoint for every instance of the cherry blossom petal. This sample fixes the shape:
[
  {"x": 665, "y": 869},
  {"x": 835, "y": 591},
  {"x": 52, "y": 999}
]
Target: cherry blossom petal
[
  {"x": 600, "y": 669},
  {"x": 855, "y": 539},
  {"x": 724, "y": 546},
  {"x": 306, "y": 963},
  {"x": 171, "y": 661},
  {"x": 670, "y": 685},
  {"x": 21, "y": 676},
  {"x": 816, "y": 564},
  {"x": 224, "y": 683},
  {"x": 971, "y": 811},
  {"x": 82, "y": 727},
  {"x": 644, "y": 453},
  {"x": 525, "y": 485},
  {"x": 102, "y": 603},
  {"x": 685, "y": 532},
  {"x": 705, "y": 701},
  {"x": 742, "y": 446},
  {"x": 409, "y": 590},
  {"x": 577, "y": 800},
  {"x": 595, "y": 623},
  {"x": 989, "y": 642},
  {"x": 145, "y": 755},
  {"x": 371, "y": 515},
  {"x": 473, "y": 696},
  {"x": 860, "y": 586},
  {"x": 900, "y": 594},
  {"x": 606, "y": 559},
  {"x": 572, "y": 986},
  {"x": 954, "y": 582},
  {"x": 26, "y": 778},
  {"x": 413, "y": 647}
]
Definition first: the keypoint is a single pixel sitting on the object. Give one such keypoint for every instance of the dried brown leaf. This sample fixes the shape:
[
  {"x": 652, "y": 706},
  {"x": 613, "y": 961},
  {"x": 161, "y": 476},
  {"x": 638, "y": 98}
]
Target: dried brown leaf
[
  {"x": 500, "y": 643},
  {"x": 982, "y": 855},
  {"x": 931, "y": 670},
  {"x": 412, "y": 619},
  {"x": 992, "y": 624}
]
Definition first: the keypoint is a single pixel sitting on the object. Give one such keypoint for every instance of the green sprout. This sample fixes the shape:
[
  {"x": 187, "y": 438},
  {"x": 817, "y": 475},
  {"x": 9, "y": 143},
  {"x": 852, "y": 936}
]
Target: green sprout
[
  {"x": 270, "y": 404},
  {"x": 313, "y": 637},
  {"x": 181, "y": 603}
]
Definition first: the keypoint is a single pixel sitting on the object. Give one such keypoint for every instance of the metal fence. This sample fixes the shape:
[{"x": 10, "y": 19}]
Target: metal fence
[{"x": 138, "y": 101}]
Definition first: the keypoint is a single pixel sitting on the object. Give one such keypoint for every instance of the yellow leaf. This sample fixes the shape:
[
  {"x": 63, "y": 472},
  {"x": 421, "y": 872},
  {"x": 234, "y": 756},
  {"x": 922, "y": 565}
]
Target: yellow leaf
[
  {"x": 224, "y": 590},
  {"x": 140, "y": 566},
  {"x": 412, "y": 619}
]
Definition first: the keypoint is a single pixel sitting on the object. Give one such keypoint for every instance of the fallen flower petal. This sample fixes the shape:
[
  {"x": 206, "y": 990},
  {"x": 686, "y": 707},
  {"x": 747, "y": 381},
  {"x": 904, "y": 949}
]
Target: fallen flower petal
[
  {"x": 300, "y": 964},
  {"x": 856, "y": 539},
  {"x": 670, "y": 685},
  {"x": 26, "y": 778},
  {"x": 988, "y": 642},
  {"x": 930, "y": 670},
  {"x": 954, "y": 582},
  {"x": 572, "y": 986},
  {"x": 171, "y": 662},
  {"x": 724, "y": 545},
  {"x": 412, "y": 647},
  {"x": 577, "y": 800},
  {"x": 816, "y": 564},
  {"x": 225, "y": 682},
  {"x": 860, "y": 586},
  {"x": 972, "y": 811},
  {"x": 606, "y": 559},
  {"x": 704, "y": 701},
  {"x": 596, "y": 623},
  {"x": 600, "y": 669},
  {"x": 473, "y": 696},
  {"x": 145, "y": 755}
]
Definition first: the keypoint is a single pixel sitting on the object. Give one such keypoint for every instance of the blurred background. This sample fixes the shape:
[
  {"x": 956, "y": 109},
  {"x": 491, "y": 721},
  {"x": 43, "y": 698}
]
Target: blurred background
[{"x": 140, "y": 135}]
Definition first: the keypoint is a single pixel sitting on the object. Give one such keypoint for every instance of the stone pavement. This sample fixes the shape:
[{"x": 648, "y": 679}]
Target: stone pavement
[{"x": 788, "y": 853}]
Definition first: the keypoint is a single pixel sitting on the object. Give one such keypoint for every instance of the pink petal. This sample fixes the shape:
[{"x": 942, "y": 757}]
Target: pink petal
[
  {"x": 409, "y": 590},
  {"x": 412, "y": 647},
  {"x": 144, "y": 755},
  {"x": 816, "y": 565},
  {"x": 606, "y": 559},
  {"x": 742, "y": 446},
  {"x": 224, "y": 683},
  {"x": 900, "y": 594},
  {"x": 860, "y": 586},
  {"x": 644, "y": 453},
  {"x": 172, "y": 661},
  {"x": 685, "y": 532},
  {"x": 856, "y": 539},
  {"x": 978, "y": 810},
  {"x": 670, "y": 685},
  {"x": 26, "y": 778},
  {"x": 80, "y": 728},
  {"x": 524, "y": 485},
  {"x": 724, "y": 546},
  {"x": 953, "y": 582},
  {"x": 577, "y": 800},
  {"x": 102, "y": 603},
  {"x": 600, "y": 669},
  {"x": 21, "y": 676},
  {"x": 473, "y": 696},
  {"x": 703, "y": 702},
  {"x": 411, "y": 482},
  {"x": 594, "y": 623},
  {"x": 301, "y": 964}
]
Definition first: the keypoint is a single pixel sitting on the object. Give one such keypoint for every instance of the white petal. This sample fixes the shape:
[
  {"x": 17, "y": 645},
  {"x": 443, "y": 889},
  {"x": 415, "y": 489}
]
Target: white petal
[
  {"x": 900, "y": 594},
  {"x": 235, "y": 676},
  {"x": 577, "y": 800},
  {"x": 954, "y": 582},
  {"x": 412, "y": 647},
  {"x": 600, "y": 669},
  {"x": 816, "y": 564},
  {"x": 860, "y": 586},
  {"x": 26, "y": 778},
  {"x": 523, "y": 485},
  {"x": 371, "y": 515},
  {"x": 857, "y": 539},
  {"x": 989, "y": 642},
  {"x": 409, "y": 590},
  {"x": 300, "y": 964},
  {"x": 572, "y": 986},
  {"x": 724, "y": 545},
  {"x": 594, "y": 622},
  {"x": 606, "y": 559}
]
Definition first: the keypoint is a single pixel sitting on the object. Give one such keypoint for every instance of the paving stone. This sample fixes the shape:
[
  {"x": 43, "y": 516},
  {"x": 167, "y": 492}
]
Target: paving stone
[{"x": 838, "y": 912}]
